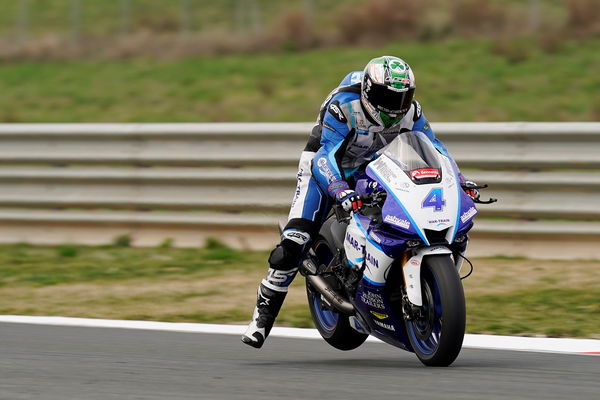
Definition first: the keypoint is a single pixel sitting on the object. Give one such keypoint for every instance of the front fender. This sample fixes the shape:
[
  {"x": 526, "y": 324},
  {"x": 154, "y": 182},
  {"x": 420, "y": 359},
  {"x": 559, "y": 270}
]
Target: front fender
[{"x": 412, "y": 272}]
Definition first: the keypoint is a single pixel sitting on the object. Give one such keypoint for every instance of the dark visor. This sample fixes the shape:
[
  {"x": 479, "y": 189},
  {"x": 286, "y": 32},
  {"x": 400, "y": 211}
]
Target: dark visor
[{"x": 388, "y": 100}]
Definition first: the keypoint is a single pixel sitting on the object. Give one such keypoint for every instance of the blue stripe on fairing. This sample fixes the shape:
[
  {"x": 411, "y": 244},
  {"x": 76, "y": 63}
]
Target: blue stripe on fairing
[
  {"x": 364, "y": 232},
  {"x": 458, "y": 208},
  {"x": 373, "y": 283},
  {"x": 389, "y": 190},
  {"x": 357, "y": 221}
]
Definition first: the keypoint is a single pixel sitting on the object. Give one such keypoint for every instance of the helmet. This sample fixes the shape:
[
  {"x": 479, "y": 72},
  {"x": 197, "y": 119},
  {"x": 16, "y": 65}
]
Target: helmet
[{"x": 387, "y": 89}]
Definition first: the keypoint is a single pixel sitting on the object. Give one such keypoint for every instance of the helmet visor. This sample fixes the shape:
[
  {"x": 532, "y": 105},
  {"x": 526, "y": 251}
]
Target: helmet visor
[{"x": 389, "y": 101}]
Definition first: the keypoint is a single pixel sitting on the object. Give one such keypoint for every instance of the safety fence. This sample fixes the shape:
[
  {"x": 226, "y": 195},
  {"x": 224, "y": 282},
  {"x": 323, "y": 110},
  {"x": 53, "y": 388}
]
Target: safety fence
[{"x": 87, "y": 183}]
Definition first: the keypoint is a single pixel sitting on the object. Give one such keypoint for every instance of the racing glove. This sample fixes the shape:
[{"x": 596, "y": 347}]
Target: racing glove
[
  {"x": 469, "y": 188},
  {"x": 374, "y": 187},
  {"x": 350, "y": 200}
]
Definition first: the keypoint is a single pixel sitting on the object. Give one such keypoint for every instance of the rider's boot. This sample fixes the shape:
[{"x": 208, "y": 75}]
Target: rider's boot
[
  {"x": 283, "y": 266},
  {"x": 268, "y": 304}
]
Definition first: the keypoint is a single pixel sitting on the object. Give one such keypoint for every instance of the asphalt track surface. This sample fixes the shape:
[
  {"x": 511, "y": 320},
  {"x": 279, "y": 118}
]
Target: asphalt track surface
[{"x": 54, "y": 362}]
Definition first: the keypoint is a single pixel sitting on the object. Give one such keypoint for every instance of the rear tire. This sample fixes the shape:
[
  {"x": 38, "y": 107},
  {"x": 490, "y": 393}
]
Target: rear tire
[
  {"x": 333, "y": 326},
  {"x": 437, "y": 337}
]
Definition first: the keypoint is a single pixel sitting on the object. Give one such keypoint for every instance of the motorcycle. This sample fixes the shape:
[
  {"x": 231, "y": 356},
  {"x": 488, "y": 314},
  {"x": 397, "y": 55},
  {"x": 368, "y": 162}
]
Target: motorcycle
[{"x": 392, "y": 270}]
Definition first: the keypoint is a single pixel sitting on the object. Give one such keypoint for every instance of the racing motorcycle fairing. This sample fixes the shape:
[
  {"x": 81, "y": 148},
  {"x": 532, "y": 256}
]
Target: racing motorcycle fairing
[
  {"x": 425, "y": 203},
  {"x": 423, "y": 189}
]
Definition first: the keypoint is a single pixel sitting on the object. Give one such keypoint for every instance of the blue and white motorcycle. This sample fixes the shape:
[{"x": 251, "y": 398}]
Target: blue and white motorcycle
[{"x": 392, "y": 271}]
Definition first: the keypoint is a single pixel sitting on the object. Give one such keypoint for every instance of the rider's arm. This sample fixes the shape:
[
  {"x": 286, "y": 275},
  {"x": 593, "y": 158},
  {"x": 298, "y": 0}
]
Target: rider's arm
[
  {"x": 326, "y": 166},
  {"x": 422, "y": 125}
]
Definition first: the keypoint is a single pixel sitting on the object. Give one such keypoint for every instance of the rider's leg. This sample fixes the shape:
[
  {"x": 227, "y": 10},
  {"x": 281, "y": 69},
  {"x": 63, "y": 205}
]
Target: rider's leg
[{"x": 308, "y": 209}]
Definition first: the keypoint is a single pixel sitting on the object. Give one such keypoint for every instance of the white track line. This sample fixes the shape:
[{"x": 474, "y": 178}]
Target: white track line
[{"x": 517, "y": 343}]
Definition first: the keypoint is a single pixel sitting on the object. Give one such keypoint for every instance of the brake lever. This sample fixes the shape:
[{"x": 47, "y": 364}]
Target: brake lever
[
  {"x": 483, "y": 186},
  {"x": 478, "y": 199},
  {"x": 490, "y": 201}
]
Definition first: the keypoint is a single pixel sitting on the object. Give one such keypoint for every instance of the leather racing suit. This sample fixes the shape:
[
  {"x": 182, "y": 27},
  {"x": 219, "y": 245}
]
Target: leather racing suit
[{"x": 344, "y": 138}]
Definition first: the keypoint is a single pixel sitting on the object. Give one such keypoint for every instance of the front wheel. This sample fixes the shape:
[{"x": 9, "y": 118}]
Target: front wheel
[{"x": 437, "y": 333}]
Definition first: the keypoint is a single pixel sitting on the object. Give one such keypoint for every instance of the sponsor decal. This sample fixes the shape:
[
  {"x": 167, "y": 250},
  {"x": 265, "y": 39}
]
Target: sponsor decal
[
  {"x": 337, "y": 186},
  {"x": 334, "y": 109},
  {"x": 384, "y": 325},
  {"x": 439, "y": 221},
  {"x": 296, "y": 236},
  {"x": 403, "y": 187},
  {"x": 328, "y": 127},
  {"x": 419, "y": 112},
  {"x": 416, "y": 263},
  {"x": 424, "y": 173},
  {"x": 384, "y": 170},
  {"x": 325, "y": 170},
  {"x": 354, "y": 243},
  {"x": 392, "y": 219},
  {"x": 372, "y": 260},
  {"x": 355, "y": 77},
  {"x": 361, "y": 123},
  {"x": 299, "y": 174},
  {"x": 379, "y": 315},
  {"x": 281, "y": 278},
  {"x": 468, "y": 215},
  {"x": 375, "y": 237},
  {"x": 372, "y": 300},
  {"x": 296, "y": 196}
]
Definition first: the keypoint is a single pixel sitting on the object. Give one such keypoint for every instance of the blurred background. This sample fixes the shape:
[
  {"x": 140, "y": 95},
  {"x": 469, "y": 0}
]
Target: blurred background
[
  {"x": 136, "y": 221},
  {"x": 267, "y": 60}
]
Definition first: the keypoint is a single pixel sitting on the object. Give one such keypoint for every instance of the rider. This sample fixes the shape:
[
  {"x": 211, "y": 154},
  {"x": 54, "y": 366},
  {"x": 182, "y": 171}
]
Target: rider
[{"x": 364, "y": 113}]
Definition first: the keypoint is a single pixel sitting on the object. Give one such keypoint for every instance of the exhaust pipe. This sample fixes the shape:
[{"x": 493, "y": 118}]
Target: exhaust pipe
[{"x": 330, "y": 295}]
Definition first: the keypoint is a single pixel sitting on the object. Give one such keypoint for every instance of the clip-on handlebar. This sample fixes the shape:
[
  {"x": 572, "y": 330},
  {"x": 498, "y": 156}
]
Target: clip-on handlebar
[{"x": 477, "y": 199}]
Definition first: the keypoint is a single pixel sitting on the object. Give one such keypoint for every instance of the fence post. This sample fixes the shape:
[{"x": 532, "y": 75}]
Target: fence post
[
  {"x": 75, "y": 22},
  {"x": 125, "y": 15},
  {"x": 534, "y": 15},
  {"x": 185, "y": 18},
  {"x": 23, "y": 22}
]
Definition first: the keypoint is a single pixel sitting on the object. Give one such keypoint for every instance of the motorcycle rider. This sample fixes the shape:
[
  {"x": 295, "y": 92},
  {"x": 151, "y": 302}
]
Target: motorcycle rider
[{"x": 359, "y": 117}]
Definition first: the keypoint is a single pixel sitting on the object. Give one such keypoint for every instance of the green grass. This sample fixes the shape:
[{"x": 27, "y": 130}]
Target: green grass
[
  {"x": 26, "y": 265},
  {"x": 218, "y": 285},
  {"x": 458, "y": 80},
  {"x": 551, "y": 312}
]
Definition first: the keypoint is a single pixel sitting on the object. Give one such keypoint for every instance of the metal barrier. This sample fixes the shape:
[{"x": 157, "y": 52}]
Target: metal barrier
[{"x": 88, "y": 182}]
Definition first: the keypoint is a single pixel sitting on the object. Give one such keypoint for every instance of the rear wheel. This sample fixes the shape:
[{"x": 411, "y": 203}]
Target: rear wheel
[
  {"x": 333, "y": 326},
  {"x": 436, "y": 335}
]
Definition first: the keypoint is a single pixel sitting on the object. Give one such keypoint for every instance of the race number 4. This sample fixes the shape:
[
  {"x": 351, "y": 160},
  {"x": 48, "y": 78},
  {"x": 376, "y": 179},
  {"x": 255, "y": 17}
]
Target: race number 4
[{"x": 435, "y": 199}]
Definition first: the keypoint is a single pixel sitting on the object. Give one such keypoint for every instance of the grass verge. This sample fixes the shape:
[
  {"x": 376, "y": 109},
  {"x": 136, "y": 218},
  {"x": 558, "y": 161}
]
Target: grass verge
[
  {"x": 458, "y": 80},
  {"x": 217, "y": 285}
]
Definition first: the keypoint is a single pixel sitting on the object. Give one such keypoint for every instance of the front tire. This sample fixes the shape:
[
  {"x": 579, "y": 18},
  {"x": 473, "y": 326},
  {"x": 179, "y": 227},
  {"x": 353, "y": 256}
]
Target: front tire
[
  {"x": 437, "y": 335},
  {"x": 333, "y": 326}
]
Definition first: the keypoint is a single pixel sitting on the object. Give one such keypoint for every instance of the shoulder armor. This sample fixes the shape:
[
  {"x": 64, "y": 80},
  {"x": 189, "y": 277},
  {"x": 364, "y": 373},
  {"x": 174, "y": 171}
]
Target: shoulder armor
[
  {"x": 335, "y": 110},
  {"x": 418, "y": 111},
  {"x": 355, "y": 88}
]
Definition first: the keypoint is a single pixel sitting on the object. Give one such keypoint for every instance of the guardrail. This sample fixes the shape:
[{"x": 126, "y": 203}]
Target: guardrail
[{"x": 86, "y": 182}]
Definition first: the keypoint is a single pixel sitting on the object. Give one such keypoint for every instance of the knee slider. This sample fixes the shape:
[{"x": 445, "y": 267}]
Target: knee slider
[{"x": 288, "y": 253}]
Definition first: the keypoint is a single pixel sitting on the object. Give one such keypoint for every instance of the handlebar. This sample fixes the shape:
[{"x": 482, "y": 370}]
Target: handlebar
[{"x": 477, "y": 199}]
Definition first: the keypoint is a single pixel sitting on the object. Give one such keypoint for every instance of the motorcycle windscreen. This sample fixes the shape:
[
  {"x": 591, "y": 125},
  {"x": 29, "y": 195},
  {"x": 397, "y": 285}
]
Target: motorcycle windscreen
[{"x": 416, "y": 157}]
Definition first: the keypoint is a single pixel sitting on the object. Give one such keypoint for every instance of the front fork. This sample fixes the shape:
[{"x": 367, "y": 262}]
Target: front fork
[{"x": 412, "y": 273}]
